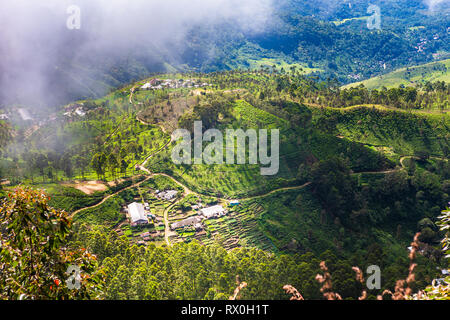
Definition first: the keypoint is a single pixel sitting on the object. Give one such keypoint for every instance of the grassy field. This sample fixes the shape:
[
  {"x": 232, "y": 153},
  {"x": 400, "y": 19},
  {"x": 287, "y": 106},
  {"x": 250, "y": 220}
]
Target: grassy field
[
  {"x": 339, "y": 22},
  {"x": 434, "y": 71},
  {"x": 68, "y": 198},
  {"x": 232, "y": 180},
  {"x": 416, "y": 28}
]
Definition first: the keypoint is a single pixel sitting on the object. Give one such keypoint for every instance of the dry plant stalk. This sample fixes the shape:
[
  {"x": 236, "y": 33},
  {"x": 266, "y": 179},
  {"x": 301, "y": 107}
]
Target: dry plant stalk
[
  {"x": 400, "y": 292},
  {"x": 295, "y": 295},
  {"x": 237, "y": 291},
  {"x": 327, "y": 284},
  {"x": 360, "y": 278}
]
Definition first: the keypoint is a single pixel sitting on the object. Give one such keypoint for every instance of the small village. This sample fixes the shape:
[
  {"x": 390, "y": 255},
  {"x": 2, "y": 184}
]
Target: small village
[
  {"x": 25, "y": 116},
  {"x": 76, "y": 109},
  {"x": 158, "y": 84},
  {"x": 145, "y": 223}
]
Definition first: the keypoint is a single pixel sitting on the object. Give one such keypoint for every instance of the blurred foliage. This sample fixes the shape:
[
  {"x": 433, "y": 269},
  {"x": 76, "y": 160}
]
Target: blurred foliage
[{"x": 34, "y": 254}]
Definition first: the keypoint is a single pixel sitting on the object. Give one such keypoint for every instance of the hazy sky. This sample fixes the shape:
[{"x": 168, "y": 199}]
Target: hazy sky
[{"x": 35, "y": 41}]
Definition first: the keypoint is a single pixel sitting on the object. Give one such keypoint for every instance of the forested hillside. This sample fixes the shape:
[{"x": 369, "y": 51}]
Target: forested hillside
[{"x": 361, "y": 172}]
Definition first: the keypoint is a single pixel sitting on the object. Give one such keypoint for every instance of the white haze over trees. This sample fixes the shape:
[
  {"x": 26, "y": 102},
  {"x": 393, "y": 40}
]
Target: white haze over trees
[
  {"x": 42, "y": 62},
  {"x": 40, "y": 57},
  {"x": 433, "y": 3}
]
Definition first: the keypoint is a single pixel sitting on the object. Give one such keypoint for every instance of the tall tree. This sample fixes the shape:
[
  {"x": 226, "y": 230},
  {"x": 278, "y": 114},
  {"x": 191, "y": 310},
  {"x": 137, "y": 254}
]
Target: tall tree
[
  {"x": 112, "y": 164},
  {"x": 98, "y": 164}
]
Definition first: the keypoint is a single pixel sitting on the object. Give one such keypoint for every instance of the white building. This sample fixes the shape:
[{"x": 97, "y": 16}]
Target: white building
[
  {"x": 212, "y": 212},
  {"x": 167, "y": 195},
  {"x": 186, "y": 222},
  {"x": 80, "y": 112},
  {"x": 170, "y": 194},
  {"x": 146, "y": 86},
  {"x": 137, "y": 214},
  {"x": 198, "y": 226},
  {"x": 234, "y": 203},
  {"x": 24, "y": 114}
]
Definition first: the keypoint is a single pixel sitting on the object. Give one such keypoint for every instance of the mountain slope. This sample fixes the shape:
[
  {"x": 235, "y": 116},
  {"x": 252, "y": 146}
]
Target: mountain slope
[{"x": 410, "y": 76}]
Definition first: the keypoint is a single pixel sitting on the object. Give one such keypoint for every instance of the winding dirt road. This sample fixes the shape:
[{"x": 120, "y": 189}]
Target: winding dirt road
[
  {"x": 188, "y": 191},
  {"x": 137, "y": 184}
]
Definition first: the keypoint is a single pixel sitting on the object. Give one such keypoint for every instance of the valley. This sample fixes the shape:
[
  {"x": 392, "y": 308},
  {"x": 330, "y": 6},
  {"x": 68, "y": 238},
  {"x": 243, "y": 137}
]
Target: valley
[
  {"x": 214, "y": 150},
  {"x": 136, "y": 152}
]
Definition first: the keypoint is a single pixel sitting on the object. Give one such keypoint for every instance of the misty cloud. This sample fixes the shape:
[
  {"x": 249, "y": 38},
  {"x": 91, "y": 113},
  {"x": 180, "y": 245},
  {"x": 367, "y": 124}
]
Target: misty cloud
[
  {"x": 432, "y": 4},
  {"x": 41, "y": 60}
]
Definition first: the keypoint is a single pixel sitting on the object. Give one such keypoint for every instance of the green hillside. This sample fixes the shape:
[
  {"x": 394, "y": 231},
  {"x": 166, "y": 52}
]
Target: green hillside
[
  {"x": 403, "y": 133},
  {"x": 410, "y": 76}
]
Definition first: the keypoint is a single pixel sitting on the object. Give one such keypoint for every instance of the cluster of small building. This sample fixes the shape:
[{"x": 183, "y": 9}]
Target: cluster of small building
[
  {"x": 196, "y": 221},
  {"x": 441, "y": 281},
  {"x": 139, "y": 213},
  {"x": 75, "y": 110},
  {"x": 157, "y": 84},
  {"x": 25, "y": 115},
  {"x": 166, "y": 195},
  {"x": 216, "y": 211},
  {"x": 421, "y": 45},
  {"x": 438, "y": 55},
  {"x": 423, "y": 42},
  {"x": 354, "y": 76}
]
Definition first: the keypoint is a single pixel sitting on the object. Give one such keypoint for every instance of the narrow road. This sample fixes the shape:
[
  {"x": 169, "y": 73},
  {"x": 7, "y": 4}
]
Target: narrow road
[
  {"x": 379, "y": 107},
  {"x": 188, "y": 191},
  {"x": 110, "y": 196},
  {"x": 378, "y": 172},
  {"x": 166, "y": 222},
  {"x": 276, "y": 191},
  {"x": 142, "y": 166},
  {"x": 418, "y": 158},
  {"x": 131, "y": 94}
]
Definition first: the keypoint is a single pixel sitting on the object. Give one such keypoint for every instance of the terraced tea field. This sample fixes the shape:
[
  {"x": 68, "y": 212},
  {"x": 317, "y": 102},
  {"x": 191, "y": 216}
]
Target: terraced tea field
[{"x": 240, "y": 228}]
